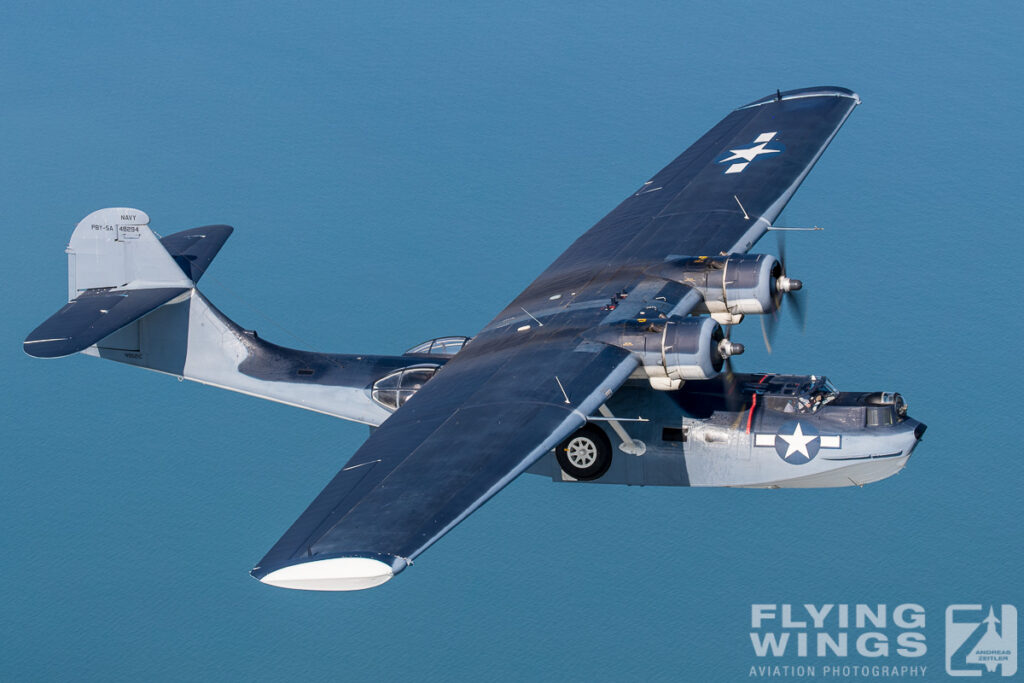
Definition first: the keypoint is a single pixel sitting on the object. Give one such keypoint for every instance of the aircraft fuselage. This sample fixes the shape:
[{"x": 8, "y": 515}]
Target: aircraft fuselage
[{"x": 794, "y": 434}]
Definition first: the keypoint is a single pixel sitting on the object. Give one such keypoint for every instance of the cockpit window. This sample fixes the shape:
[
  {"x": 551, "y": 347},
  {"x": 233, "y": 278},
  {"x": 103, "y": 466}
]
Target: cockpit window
[
  {"x": 442, "y": 346},
  {"x": 394, "y": 389},
  {"x": 807, "y": 396}
]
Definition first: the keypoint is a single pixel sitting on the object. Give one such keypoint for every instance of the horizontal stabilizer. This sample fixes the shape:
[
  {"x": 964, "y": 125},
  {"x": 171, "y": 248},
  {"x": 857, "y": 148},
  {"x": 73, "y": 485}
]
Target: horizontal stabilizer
[
  {"x": 194, "y": 249},
  {"x": 93, "y": 315}
]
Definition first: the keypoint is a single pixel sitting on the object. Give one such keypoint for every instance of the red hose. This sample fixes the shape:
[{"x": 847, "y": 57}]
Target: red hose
[{"x": 753, "y": 404}]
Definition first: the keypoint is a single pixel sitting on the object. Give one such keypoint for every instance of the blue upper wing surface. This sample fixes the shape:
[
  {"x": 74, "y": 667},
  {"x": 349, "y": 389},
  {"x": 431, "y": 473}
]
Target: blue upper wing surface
[
  {"x": 719, "y": 196},
  {"x": 499, "y": 404},
  {"x": 459, "y": 440}
]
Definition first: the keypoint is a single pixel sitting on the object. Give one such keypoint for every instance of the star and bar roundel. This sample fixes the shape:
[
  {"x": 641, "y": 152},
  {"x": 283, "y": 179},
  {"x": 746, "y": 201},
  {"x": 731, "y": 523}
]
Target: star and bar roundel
[
  {"x": 797, "y": 441},
  {"x": 739, "y": 159}
]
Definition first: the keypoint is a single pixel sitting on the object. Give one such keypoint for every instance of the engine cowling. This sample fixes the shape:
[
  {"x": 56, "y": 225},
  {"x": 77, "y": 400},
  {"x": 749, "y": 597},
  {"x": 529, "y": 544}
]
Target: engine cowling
[
  {"x": 687, "y": 348},
  {"x": 732, "y": 286}
]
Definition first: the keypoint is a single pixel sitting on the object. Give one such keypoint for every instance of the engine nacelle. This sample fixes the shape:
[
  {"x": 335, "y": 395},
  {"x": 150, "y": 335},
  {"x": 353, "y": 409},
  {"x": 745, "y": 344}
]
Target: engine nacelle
[
  {"x": 732, "y": 286},
  {"x": 687, "y": 348}
]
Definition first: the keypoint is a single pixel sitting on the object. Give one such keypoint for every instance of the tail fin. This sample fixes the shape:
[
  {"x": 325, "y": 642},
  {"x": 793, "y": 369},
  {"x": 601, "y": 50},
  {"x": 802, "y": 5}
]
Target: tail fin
[
  {"x": 116, "y": 248},
  {"x": 118, "y": 271}
]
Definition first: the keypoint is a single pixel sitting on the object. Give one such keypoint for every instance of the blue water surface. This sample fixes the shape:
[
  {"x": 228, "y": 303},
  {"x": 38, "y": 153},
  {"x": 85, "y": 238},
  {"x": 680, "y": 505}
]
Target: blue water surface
[{"x": 397, "y": 172}]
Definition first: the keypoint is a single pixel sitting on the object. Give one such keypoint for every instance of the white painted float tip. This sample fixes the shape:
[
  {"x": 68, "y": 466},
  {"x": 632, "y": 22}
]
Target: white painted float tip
[{"x": 336, "y": 574}]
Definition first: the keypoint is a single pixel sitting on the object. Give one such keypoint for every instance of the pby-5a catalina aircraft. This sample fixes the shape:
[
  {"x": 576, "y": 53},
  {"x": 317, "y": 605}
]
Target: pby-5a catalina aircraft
[{"x": 611, "y": 367}]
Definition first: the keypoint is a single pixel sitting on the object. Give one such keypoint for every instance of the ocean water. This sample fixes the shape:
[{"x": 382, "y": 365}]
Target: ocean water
[{"x": 397, "y": 172}]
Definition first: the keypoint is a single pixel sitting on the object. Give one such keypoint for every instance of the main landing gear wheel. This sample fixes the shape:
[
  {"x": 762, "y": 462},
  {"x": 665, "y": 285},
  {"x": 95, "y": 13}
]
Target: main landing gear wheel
[{"x": 586, "y": 455}]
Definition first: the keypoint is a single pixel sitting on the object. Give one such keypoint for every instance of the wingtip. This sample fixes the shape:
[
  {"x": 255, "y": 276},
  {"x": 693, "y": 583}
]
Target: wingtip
[
  {"x": 47, "y": 348},
  {"x": 334, "y": 574},
  {"x": 803, "y": 93}
]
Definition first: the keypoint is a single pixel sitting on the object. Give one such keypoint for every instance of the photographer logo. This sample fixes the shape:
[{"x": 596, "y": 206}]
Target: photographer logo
[{"x": 981, "y": 640}]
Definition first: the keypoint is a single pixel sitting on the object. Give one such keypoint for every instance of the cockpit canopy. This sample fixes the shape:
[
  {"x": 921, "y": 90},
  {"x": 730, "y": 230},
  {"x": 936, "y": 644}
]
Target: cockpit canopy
[
  {"x": 795, "y": 393},
  {"x": 442, "y": 346},
  {"x": 395, "y": 388}
]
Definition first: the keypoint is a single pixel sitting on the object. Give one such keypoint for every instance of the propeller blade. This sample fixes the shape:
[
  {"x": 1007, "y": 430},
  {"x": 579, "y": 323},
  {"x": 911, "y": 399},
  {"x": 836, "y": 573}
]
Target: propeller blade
[
  {"x": 781, "y": 239},
  {"x": 733, "y": 398},
  {"x": 798, "y": 305},
  {"x": 769, "y": 326},
  {"x": 765, "y": 335},
  {"x": 791, "y": 294}
]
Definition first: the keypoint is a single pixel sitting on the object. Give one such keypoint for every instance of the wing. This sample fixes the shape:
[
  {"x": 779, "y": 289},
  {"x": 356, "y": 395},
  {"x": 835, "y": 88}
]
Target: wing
[
  {"x": 719, "y": 196},
  {"x": 535, "y": 373},
  {"x": 453, "y": 445}
]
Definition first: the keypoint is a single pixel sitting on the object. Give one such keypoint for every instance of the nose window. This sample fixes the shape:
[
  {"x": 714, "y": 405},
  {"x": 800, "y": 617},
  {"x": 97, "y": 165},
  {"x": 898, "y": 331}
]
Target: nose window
[{"x": 879, "y": 416}]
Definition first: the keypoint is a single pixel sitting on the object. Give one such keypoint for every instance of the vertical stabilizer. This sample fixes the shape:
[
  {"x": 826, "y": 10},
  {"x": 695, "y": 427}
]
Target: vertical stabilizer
[{"x": 115, "y": 248}]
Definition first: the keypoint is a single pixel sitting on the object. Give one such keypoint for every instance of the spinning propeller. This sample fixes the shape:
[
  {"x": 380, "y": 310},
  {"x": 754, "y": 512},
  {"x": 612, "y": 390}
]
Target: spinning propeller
[
  {"x": 733, "y": 398},
  {"x": 786, "y": 290}
]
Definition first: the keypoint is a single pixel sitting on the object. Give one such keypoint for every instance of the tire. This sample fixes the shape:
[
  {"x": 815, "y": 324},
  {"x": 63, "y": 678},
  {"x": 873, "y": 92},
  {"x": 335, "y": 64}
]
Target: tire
[{"x": 586, "y": 455}]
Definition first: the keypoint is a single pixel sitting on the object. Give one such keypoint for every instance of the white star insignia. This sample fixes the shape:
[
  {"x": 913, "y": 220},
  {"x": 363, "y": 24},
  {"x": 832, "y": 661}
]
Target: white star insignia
[
  {"x": 749, "y": 154},
  {"x": 797, "y": 442}
]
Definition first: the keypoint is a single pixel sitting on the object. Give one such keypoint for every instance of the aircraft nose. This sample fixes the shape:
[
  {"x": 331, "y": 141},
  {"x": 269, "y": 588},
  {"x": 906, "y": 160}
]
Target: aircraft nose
[{"x": 911, "y": 444}]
